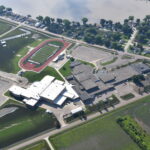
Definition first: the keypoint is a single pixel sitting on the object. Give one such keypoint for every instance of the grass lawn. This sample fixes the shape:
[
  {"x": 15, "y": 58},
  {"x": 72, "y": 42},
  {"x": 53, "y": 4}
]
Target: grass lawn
[
  {"x": 42, "y": 55},
  {"x": 66, "y": 70},
  {"x": 128, "y": 96},
  {"x": 4, "y": 27},
  {"x": 41, "y": 145},
  {"x": 13, "y": 33},
  {"x": 87, "y": 63},
  {"x": 23, "y": 123},
  {"x": 33, "y": 76},
  {"x": 103, "y": 133},
  {"x": 109, "y": 62},
  {"x": 57, "y": 43}
]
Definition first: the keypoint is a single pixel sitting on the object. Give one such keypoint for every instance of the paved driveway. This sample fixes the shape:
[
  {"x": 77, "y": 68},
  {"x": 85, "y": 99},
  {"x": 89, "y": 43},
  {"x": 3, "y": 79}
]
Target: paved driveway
[{"x": 4, "y": 86}]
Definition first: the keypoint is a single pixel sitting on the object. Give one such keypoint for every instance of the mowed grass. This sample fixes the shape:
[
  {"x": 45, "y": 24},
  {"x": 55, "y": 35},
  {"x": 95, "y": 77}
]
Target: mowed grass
[
  {"x": 13, "y": 33},
  {"x": 109, "y": 62},
  {"x": 43, "y": 54},
  {"x": 23, "y": 123},
  {"x": 4, "y": 27},
  {"x": 41, "y": 145},
  {"x": 103, "y": 133},
  {"x": 33, "y": 76},
  {"x": 66, "y": 69}
]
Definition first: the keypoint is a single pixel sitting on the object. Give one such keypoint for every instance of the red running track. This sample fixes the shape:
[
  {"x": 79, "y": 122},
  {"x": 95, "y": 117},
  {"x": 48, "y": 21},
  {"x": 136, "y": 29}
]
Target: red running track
[{"x": 32, "y": 67}]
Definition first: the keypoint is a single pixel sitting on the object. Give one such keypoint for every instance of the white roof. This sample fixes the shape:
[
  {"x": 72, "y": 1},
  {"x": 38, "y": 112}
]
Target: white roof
[
  {"x": 16, "y": 90},
  {"x": 59, "y": 82},
  {"x": 37, "y": 88},
  {"x": 79, "y": 109},
  {"x": 71, "y": 91},
  {"x": 53, "y": 91},
  {"x": 47, "y": 80},
  {"x": 69, "y": 95},
  {"x": 31, "y": 102},
  {"x": 60, "y": 100}
]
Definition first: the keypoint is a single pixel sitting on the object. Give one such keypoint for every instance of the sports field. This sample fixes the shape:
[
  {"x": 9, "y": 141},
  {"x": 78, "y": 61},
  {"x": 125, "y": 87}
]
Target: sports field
[
  {"x": 21, "y": 123},
  {"x": 103, "y": 133},
  {"x": 44, "y": 53}
]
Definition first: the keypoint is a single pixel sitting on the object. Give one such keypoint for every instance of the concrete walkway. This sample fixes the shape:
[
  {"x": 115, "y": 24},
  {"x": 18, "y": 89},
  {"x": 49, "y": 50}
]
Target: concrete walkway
[
  {"x": 49, "y": 143},
  {"x": 10, "y": 31}
]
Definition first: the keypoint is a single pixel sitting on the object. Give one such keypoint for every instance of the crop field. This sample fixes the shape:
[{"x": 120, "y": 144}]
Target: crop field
[
  {"x": 18, "y": 123},
  {"x": 4, "y": 27},
  {"x": 44, "y": 53},
  {"x": 41, "y": 145},
  {"x": 103, "y": 133}
]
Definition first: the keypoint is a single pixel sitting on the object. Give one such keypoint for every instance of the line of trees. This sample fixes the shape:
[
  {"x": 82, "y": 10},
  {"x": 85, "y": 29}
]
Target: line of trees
[
  {"x": 131, "y": 127},
  {"x": 106, "y": 32}
]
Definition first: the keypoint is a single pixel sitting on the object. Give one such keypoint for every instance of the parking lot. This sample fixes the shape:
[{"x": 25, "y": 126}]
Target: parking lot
[
  {"x": 60, "y": 112},
  {"x": 90, "y": 54}
]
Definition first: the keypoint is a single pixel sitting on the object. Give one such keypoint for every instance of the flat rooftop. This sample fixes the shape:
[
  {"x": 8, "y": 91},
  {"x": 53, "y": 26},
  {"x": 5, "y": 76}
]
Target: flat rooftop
[{"x": 53, "y": 91}]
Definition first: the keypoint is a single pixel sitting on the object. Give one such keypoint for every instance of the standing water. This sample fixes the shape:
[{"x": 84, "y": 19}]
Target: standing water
[{"x": 116, "y": 10}]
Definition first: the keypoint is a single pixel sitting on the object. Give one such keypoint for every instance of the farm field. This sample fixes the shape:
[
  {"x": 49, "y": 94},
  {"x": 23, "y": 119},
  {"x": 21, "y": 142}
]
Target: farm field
[
  {"x": 4, "y": 27},
  {"x": 104, "y": 133},
  {"x": 17, "y": 48},
  {"x": 33, "y": 76},
  {"x": 41, "y": 145},
  {"x": 19, "y": 122}
]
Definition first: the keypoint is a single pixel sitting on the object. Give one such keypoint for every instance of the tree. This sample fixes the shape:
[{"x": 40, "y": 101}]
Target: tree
[
  {"x": 138, "y": 21},
  {"x": 131, "y": 18},
  {"x": 126, "y": 21},
  {"x": 92, "y": 30},
  {"x": 40, "y": 18},
  {"x": 9, "y": 9},
  {"x": 59, "y": 21},
  {"x": 2, "y": 8},
  {"x": 67, "y": 23},
  {"x": 98, "y": 39},
  {"x": 47, "y": 21},
  {"x": 89, "y": 38},
  {"x": 29, "y": 16},
  {"x": 52, "y": 20},
  {"x": 84, "y": 20},
  {"x": 102, "y": 22}
]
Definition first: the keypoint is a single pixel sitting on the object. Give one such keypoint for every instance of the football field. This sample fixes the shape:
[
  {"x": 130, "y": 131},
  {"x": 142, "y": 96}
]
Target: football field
[{"x": 43, "y": 53}]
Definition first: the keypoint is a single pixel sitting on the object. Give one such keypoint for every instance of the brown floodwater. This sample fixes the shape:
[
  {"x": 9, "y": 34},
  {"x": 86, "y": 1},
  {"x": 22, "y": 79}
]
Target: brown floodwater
[{"x": 116, "y": 10}]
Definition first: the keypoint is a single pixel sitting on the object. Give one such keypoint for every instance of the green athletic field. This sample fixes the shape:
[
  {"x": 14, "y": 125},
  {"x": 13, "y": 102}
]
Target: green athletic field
[{"x": 42, "y": 55}]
